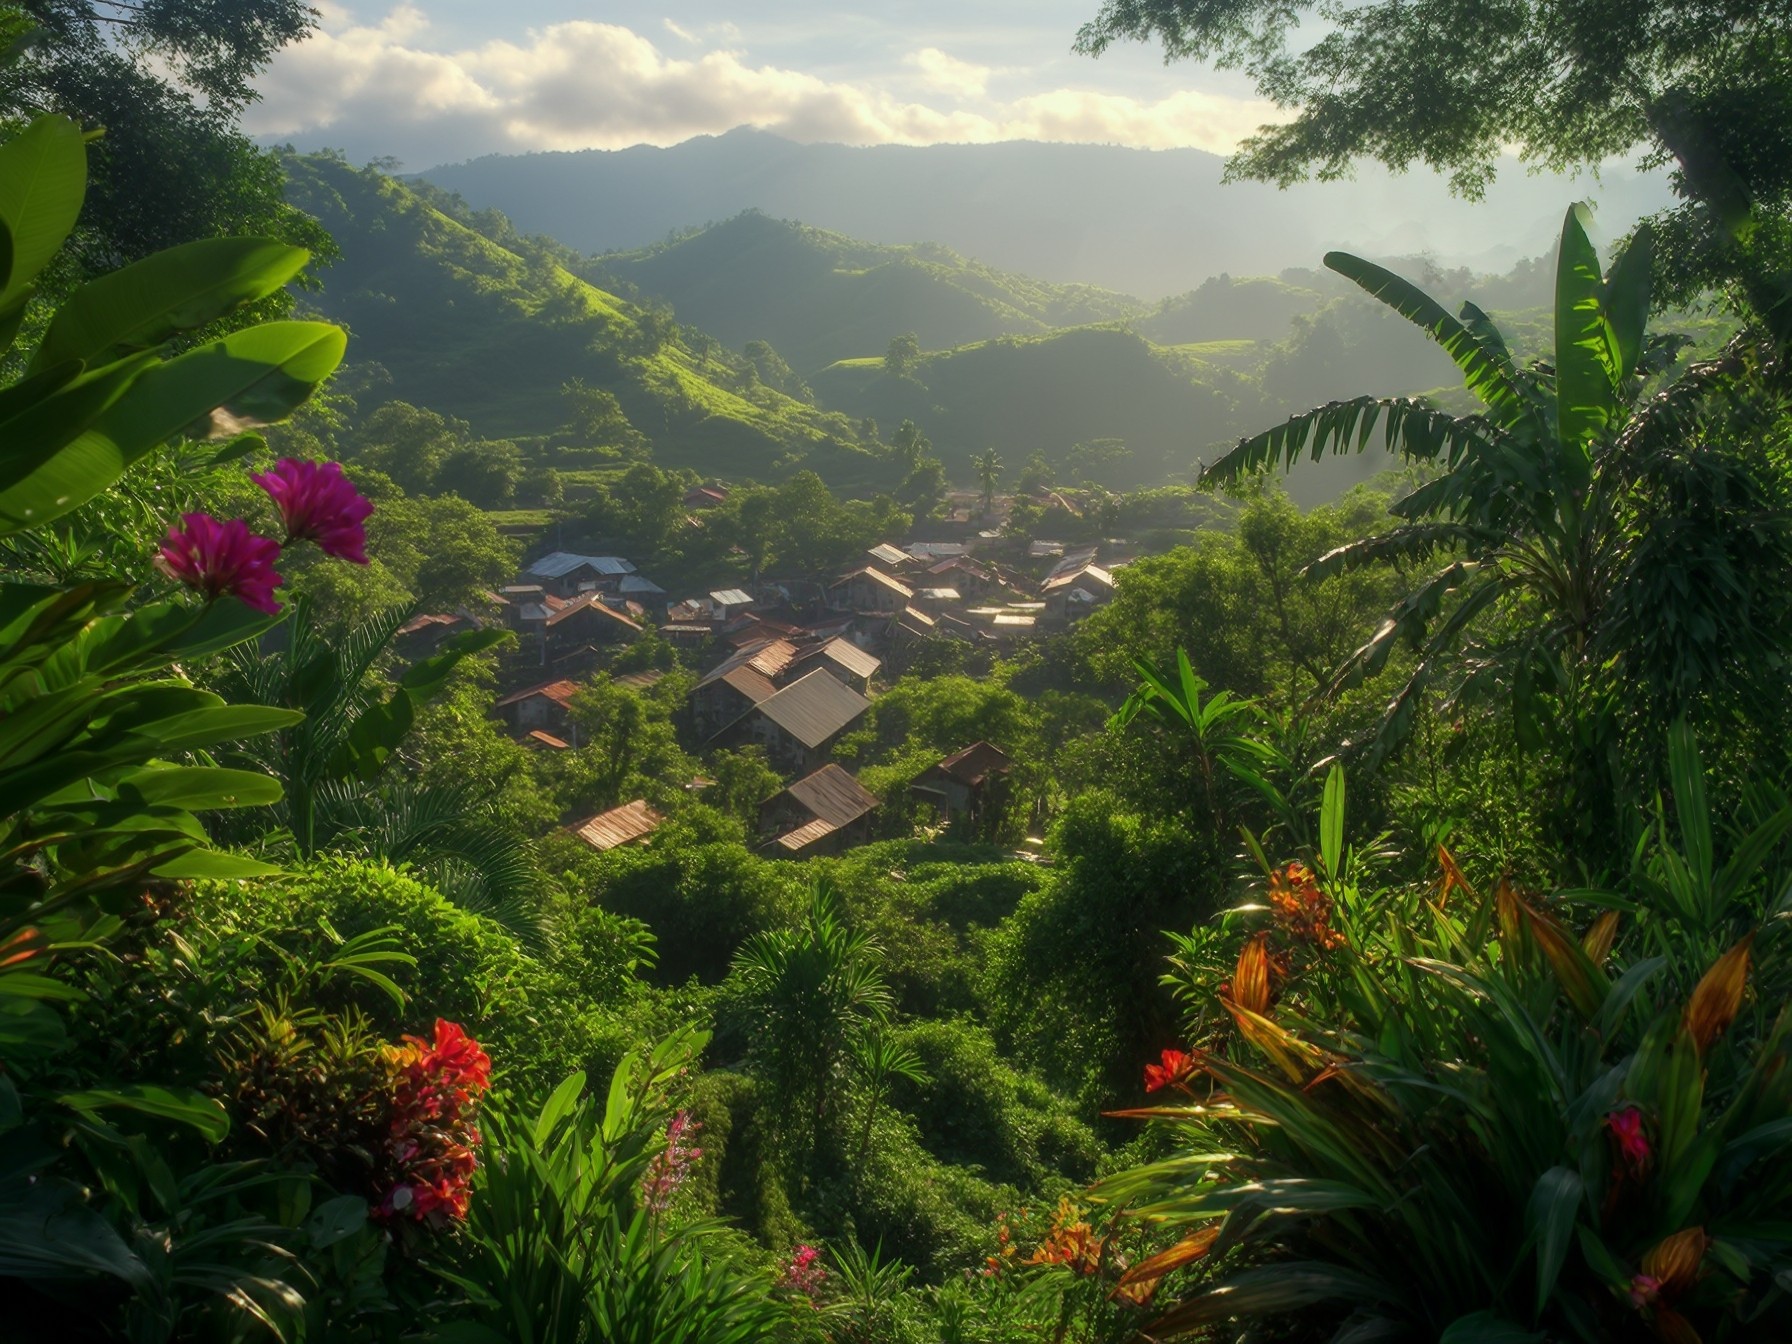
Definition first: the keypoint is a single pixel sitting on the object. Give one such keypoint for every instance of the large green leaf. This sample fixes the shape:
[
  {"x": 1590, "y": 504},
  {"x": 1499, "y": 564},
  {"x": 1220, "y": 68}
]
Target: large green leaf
[
  {"x": 1587, "y": 376},
  {"x": 200, "y": 788},
  {"x": 1485, "y": 373},
  {"x": 1483, "y": 1327},
  {"x": 199, "y": 865},
  {"x": 47, "y": 1231},
  {"x": 1549, "y": 1219},
  {"x": 1411, "y": 428},
  {"x": 250, "y": 377},
  {"x": 43, "y": 179},
  {"x": 180, "y": 1104},
  {"x": 141, "y": 306},
  {"x": 1626, "y": 298}
]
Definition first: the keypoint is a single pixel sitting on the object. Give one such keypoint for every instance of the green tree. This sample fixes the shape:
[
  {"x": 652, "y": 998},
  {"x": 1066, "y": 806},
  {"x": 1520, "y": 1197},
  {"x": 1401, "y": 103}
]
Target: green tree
[
  {"x": 909, "y": 445},
  {"x": 628, "y": 745},
  {"x": 1584, "y": 518},
  {"x": 166, "y": 81},
  {"x": 595, "y": 419},
  {"x": 903, "y": 354},
  {"x": 1703, "y": 84},
  {"x": 988, "y": 466},
  {"x": 484, "y": 473},
  {"x": 410, "y": 444},
  {"x": 641, "y": 511}
]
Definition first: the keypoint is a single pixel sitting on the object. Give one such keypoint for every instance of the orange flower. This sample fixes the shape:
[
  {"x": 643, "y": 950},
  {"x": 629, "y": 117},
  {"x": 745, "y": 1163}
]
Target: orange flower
[
  {"x": 1301, "y": 909},
  {"x": 1718, "y": 997},
  {"x": 1071, "y": 1242},
  {"x": 1673, "y": 1263}
]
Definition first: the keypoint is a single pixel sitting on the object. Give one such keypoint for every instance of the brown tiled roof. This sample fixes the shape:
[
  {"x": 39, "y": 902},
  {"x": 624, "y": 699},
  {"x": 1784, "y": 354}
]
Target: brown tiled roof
[
  {"x": 814, "y": 707},
  {"x": 560, "y": 692},
  {"x": 619, "y": 826},
  {"x": 831, "y": 794}
]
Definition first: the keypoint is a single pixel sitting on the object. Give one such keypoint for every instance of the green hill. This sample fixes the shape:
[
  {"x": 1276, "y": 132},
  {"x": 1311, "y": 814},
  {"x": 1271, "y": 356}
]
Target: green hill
[
  {"x": 818, "y": 297},
  {"x": 1049, "y": 394},
  {"x": 1253, "y": 308},
  {"x": 475, "y": 329}
]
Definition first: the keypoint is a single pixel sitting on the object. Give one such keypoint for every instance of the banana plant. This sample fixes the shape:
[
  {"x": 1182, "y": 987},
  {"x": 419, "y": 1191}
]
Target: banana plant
[{"x": 1532, "y": 503}]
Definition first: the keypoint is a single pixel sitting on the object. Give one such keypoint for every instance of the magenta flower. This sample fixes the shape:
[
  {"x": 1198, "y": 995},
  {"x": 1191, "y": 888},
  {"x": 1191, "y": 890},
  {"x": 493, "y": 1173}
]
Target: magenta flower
[
  {"x": 804, "y": 1274},
  {"x": 217, "y": 558},
  {"x": 1626, "y": 1128},
  {"x": 318, "y": 503}
]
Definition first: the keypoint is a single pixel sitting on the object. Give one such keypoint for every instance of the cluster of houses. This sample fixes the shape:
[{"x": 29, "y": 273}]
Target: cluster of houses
[{"x": 791, "y": 670}]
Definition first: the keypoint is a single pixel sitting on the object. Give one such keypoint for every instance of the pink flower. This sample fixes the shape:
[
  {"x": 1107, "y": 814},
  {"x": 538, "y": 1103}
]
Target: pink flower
[
  {"x": 317, "y": 502},
  {"x": 1626, "y": 1128},
  {"x": 803, "y": 1275},
  {"x": 218, "y": 558},
  {"x": 1644, "y": 1289}
]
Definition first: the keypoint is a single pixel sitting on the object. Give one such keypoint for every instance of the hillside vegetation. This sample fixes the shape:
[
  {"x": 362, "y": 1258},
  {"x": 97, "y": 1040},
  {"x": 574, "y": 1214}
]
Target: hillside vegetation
[
  {"x": 478, "y": 331},
  {"x": 820, "y": 296}
]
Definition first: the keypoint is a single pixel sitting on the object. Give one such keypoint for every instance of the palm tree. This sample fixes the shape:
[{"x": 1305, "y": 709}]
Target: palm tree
[
  {"x": 343, "y": 793},
  {"x": 1595, "y": 506},
  {"x": 988, "y": 465}
]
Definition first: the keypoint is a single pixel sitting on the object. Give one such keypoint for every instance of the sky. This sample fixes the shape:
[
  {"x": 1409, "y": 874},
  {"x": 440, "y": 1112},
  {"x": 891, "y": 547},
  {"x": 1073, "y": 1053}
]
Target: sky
[{"x": 436, "y": 81}]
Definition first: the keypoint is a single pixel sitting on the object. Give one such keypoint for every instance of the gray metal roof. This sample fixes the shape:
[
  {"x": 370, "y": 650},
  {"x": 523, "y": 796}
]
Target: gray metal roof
[
  {"x": 731, "y": 597},
  {"x": 847, "y": 654},
  {"x": 557, "y": 564},
  {"x": 634, "y": 583},
  {"x": 815, "y": 707}
]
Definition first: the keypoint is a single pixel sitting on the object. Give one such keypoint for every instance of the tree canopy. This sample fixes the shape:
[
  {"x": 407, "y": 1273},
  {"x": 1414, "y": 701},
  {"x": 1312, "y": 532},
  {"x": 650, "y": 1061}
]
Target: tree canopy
[{"x": 1705, "y": 85}]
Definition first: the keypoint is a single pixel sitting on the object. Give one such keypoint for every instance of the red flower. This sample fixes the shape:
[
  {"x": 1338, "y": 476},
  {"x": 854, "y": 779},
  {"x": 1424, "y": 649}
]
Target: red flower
[
  {"x": 1626, "y": 1128},
  {"x": 431, "y": 1135},
  {"x": 1177, "y": 1067},
  {"x": 318, "y": 503},
  {"x": 217, "y": 558}
]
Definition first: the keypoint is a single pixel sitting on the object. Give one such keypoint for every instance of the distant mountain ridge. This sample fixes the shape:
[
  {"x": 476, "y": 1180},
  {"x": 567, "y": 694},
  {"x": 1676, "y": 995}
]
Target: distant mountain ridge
[
  {"x": 819, "y": 296},
  {"x": 1145, "y": 222}
]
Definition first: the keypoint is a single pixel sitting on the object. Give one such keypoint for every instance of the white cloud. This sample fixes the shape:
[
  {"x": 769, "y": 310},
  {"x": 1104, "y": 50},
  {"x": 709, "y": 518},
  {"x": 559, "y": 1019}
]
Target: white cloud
[
  {"x": 583, "y": 84},
  {"x": 678, "y": 31},
  {"x": 948, "y": 74}
]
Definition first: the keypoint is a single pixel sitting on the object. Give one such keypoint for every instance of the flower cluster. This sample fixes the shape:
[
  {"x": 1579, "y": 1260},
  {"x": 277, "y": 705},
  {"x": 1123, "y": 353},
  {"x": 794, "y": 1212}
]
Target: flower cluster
[
  {"x": 317, "y": 503},
  {"x": 671, "y": 1166},
  {"x": 1302, "y": 910},
  {"x": 431, "y": 1136},
  {"x": 805, "y": 1273},
  {"x": 1177, "y": 1068},
  {"x": 1005, "y": 1247},
  {"x": 1072, "y": 1242}
]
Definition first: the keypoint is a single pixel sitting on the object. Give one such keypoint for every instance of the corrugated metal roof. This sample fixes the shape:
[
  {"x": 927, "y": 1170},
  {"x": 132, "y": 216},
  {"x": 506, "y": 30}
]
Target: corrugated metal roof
[
  {"x": 888, "y": 554},
  {"x": 805, "y": 835},
  {"x": 1016, "y": 622},
  {"x": 590, "y": 602},
  {"x": 731, "y": 597},
  {"x": 540, "y": 739},
  {"x": 1093, "y": 573},
  {"x": 558, "y": 564},
  {"x": 833, "y": 795},
  {"x": 938, "y": 594},
  {"x": 560, "y": 691},
  {"x": 962, "y": 564},
  {"x": 814, "y": 707},
  {"x": 848, "y": 655},
  {"x": 634, "y": 583},
  {"x": 750, "y": 682},
  {"x": 619, "y": 826},
  {"x": 878, "y": 577},
  {"x": 975, "y": 763},
  {"x": 768, "y": 658},
  {"x": 936, "y": 550},
  {"x": 640, "y": 681}
]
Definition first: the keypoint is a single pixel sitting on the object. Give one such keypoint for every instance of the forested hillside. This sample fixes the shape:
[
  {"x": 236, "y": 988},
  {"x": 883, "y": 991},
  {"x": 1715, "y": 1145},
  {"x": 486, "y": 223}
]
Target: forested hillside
[
  {"x": 469, "y": 328},
  {"x": 819, "y": 296}
]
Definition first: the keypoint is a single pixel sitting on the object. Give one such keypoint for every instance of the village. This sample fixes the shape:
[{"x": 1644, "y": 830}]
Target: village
[{"x": 788, "y": 665}]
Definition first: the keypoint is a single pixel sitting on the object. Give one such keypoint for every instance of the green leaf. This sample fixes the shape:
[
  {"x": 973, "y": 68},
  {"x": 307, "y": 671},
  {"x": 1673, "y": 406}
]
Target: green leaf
[
  {"x": 425, "y": 679},
  {"x": 221, "y": 723},
  {"x": 1272, "y": 1289},
  {"x": 1587, "y": 379},
  {"x": 1626, "y": 299},
  {"x": 200, "y": 788},
  {"x": 179, "y": 289},
  {"x": 43, "y": 180},
  {"x": 181, "y": 1104},
  {"x": 202, "y": 864},
  {"x": 336, "y": 1220},
  {"x": 1491, "y": 378},
  {"x": 257, "y": 376},
  {"x": 1331, "y": 823},
  {"x": 1691, "y": 809},
  {"x": 28, "y": 1029},
  {"x": 558, "y": 1107},
  {"x": 1549, "y": 1220},
  {"x": 48, "y": 1232}
]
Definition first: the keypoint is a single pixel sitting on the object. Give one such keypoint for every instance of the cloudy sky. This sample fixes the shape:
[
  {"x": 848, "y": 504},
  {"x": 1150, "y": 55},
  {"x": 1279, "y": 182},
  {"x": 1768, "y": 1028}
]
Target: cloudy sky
[{"x": 433, "y": 81}]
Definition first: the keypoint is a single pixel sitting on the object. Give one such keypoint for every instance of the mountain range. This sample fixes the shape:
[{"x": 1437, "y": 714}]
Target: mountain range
[{"x": 1147, "y": 222}]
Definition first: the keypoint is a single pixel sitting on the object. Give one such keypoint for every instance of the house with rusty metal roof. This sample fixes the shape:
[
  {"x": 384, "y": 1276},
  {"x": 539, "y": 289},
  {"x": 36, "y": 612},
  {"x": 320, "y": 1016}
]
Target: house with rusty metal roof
[
  {"x": 739, "y": 682},
  {"x": 799, "y": 724},
  {"x": 1073, "y": 594},
  {"x": 546, "y": 706},
  {"x": 889, "y": 559},
  {"x": 629, "y": 824},
  {"x": 869, "y": 589},
  {"x": 824, "y": 812},
  {"x": 971, "y": 784},
  {"x": 852, "y": 665}
]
